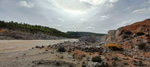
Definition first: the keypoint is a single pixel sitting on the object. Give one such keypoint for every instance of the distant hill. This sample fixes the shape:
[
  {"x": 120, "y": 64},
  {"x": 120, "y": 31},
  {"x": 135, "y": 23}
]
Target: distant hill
[
  {"x": 15, "y": 30},
  {"x": 79, "y": 34},
  {"x": 22, "y": 30}
]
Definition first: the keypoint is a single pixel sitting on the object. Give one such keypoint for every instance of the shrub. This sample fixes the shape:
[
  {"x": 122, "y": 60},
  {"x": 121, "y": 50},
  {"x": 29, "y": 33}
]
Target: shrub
[
  {"x": 61, "y": 49},
  {"x": 141, "y": 45},
  {"x": 114, "y": 47},
  {"x": 128, "y": 32},
  {"x": 98, "y": 65},
  {"x": 57, "y": 64},
  {"x": 125, "y": 36},
  {"x": 69, "y": 50},
  {"x": 100, "y": 52},
  {"x": 83, "y": 64},
  {"x": 96, "y": 59},
  {"x": 140, "y": 33},
  {"x": 83, "y": 55}
]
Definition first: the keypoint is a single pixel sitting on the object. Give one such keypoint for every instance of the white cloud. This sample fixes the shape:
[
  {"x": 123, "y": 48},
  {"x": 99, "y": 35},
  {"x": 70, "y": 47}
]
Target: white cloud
[
  {"x": 113, "y": 1},
  {"x": 143, "y": 10},
  {"x": 90, "y": 28},
  {"x": 124, "y": 23},
  {"x": 83, "y": 20},
  {"x": 98, "y": 2},
  {"x": 61, "y": 19},
  {"x": 104, "y": 17},
  {"x": 76, "y": 8},
  {"x": 26, "y": 4},
  {"x": 94, "y": 2},
  {"x": 81, "y": 15},
  {"x": 110, "y": 5},
  {"x": 59, "y": 25}
]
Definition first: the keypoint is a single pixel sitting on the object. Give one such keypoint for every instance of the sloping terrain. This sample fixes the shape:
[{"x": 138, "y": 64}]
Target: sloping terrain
[
  {"x": 10, "y": 34},
  {"x": 80, "y": 34},
  {"x": 15, "y": 30},
  {"x": 132, "y": 35}
]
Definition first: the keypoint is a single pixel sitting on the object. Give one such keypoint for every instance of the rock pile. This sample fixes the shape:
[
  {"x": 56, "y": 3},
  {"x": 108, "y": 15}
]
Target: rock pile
[{"x": 51, "y": 63}]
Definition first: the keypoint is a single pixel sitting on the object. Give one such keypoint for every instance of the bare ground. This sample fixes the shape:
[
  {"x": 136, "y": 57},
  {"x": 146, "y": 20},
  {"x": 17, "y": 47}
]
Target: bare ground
[
  {"x": 19, "y": 45},
  {"x": 18, "y": 53}
]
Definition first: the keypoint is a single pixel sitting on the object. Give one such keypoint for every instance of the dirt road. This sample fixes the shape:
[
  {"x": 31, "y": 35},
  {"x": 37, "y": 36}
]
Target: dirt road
[
  {"x": 20, "y": 45},
  {"x": 18, "y": 53}
]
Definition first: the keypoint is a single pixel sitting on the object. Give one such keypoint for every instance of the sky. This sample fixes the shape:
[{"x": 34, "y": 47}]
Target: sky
[{"x": 97, "y": 16}]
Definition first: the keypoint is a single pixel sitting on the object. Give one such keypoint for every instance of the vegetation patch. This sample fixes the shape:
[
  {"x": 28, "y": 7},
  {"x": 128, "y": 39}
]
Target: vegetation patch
[
  {"x": 128, "y": 32},
  {"x": 114, "y": 47},
  {"x": 61, "y": 49},
  {"x": 32, "y": 28},
  {"x": 96, "y": 59},
  {"x": 140, "y": 33}
]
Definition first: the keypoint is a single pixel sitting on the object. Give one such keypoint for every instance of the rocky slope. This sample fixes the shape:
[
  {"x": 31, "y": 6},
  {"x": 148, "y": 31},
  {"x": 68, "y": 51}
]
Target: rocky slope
[
  {"x": 9, "y": 34},
  {"x": 23, "y": 31},
  {"x": 136, "y": 35}
]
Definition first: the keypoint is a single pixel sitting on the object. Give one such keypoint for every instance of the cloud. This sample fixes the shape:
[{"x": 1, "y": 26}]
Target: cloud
[
  {"x": 71, "y": 4},
  {"x": 75, "y": 15},
  {"x": 61, "y": 19},
  {"x": 26, "y": 4},
  {"x": 90, "y": 28},
  {"x": 94, "y": 2},
  {"x": 113, "y": 1},
  {"x": 104, "y": 17},
  {"x": 83, "y": 20},
  {"x": 142, "y": 11},
  {"x": 98, "y": 2},
  {"x": 59, "y": 25},
  {"x": 124, "y": 23}
]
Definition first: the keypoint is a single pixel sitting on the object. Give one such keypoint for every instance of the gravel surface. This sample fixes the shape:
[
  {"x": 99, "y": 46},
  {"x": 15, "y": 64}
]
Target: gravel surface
[{"x": 20, "y": 45}]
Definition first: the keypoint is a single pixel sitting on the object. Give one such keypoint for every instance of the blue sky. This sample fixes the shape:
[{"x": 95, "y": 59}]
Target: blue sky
[{"x": 76, "y": 15}]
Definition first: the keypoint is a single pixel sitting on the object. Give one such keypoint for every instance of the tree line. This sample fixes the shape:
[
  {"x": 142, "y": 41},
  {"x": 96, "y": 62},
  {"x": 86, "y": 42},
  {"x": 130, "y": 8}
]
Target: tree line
[{"x": 33, "y": 28}]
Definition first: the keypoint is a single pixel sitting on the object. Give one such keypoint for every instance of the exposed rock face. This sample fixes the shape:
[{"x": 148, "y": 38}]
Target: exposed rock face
[
  {"x": 139, "y": 26},
  {"x": 111, "y": 36},
  {"x": 131, "y": 35},
  {"x": 93, "y": 39}
]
